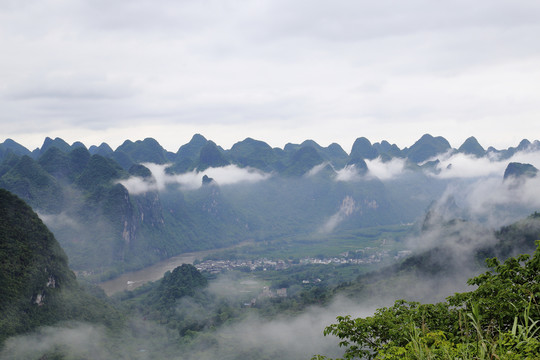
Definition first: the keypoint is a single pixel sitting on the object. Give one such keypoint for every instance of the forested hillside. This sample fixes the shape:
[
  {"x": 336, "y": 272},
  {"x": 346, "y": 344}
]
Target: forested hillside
[
  {"x": 499, "y": 319},
  {"x": 189, "y": 314},
  {"x": 37, "y": 286}
]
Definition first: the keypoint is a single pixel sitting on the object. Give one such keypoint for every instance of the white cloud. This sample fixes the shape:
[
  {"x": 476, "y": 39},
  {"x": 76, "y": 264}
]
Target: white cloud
[
  {"x": 468, "y": 166},
  {"x": 348, "y": 173},
  {"x": 347, "y": 207},
  {"x": 79, "y": 340},
  {"x": 227, "y": 175},
  {"x": 317, "y": 168},
  {"x": 503, "y": 202},
  {"x": 59, "y": 220},
  {"x": 385, "y": 170}
]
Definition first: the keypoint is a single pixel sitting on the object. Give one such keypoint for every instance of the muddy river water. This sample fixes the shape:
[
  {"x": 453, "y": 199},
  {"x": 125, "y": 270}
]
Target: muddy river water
[{"x": 134, "y": 279}]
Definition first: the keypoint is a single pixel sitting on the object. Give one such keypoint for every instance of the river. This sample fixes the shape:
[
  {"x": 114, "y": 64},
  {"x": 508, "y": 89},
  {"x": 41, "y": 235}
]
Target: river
[{"x": 134, "y": 279}]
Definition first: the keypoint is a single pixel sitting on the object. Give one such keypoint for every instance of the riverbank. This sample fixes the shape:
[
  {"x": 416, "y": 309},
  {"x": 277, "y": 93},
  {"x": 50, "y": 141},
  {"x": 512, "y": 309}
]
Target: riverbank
[{"x": 134, "y": 279}]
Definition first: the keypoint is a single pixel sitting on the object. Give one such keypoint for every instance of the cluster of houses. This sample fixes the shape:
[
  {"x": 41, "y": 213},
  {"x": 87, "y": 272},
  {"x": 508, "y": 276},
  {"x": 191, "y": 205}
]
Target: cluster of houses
[{"x": 218, "y": 266}]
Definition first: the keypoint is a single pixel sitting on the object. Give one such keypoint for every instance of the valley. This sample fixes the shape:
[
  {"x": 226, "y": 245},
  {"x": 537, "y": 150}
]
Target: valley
[
  {"x": 205, "y": 252},
  {"x": 132, "y": 280}
]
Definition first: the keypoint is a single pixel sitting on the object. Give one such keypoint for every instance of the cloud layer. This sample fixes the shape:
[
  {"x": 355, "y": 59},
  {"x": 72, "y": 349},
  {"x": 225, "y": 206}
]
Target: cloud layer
[{"x": 226, "y": 175}]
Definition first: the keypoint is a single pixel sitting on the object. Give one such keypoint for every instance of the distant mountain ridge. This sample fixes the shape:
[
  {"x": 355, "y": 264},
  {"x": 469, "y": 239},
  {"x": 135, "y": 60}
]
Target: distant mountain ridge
[{"x": 258, "y": 154}]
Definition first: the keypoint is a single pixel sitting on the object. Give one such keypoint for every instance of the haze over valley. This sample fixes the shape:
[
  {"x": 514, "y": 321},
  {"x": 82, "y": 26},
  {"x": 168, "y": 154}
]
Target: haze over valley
[
  {"x": 261, "y": 247},
  {"x": 269, "y": 179}
]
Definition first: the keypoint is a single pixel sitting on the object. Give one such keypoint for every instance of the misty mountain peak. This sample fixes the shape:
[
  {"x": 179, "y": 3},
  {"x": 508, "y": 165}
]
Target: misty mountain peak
[
  {"x": 251, "y": 144},
  {"x": 471, "y": 146},
  {"x": 192, "y": 149},
  {"x": 11, "y": 147},
  {"x": 520, "y": 170},
  {"x": 335, "y": 148},
  {"x": 104, "y": 149},
  {"x": 524, "y": 144},
  {"x": 387, "y": 150},
  {"x": 57, "y": 142},
  {"x": 147, "y": 150},
  {"x": 303, "y": 160},
  {"x": 427, "y": 147},
  {"x": 363, "y": 149},
  {"x": 15, "y": 146},
  {"x": 198, "y": 139},
  {"x": 311, "y": 143},
  {"x": 210, "y": 156},
  {"x": 253, "y": 153},
  {"x": 77, "y": 144}
]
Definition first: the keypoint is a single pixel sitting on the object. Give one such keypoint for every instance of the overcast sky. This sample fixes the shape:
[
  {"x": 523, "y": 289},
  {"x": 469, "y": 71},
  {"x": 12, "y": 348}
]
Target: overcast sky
[{"x": 274, "y": 70}]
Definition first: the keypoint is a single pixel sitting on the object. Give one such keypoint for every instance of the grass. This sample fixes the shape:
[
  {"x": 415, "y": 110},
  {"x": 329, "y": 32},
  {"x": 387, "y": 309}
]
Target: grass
[{"x": 388, "y": 238}]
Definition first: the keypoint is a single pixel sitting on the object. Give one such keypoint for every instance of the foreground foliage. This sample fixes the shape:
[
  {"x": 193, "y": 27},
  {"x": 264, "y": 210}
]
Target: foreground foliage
[{"x": 498, "y": 320}]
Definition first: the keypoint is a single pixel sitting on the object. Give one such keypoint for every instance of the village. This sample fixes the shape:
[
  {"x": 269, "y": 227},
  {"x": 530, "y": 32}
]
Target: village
[{"x": 355, "y": 257}]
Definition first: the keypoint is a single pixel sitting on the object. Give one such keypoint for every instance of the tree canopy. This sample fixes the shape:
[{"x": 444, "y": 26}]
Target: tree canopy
[{"x": 500, "y": 319}]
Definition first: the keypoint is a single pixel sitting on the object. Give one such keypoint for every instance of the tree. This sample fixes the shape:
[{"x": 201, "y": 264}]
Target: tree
[{"x": 474, "y": 325}]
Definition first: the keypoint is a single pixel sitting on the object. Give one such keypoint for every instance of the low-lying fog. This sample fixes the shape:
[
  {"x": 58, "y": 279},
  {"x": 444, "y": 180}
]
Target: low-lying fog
[{"x": 478, "y": 194}]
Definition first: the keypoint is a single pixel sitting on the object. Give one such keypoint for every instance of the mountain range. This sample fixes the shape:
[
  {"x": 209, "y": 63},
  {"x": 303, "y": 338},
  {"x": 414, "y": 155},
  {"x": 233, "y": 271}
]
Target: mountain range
[
  {"x": 200, "y": 153},
  {"x": 118, "y": 210}
]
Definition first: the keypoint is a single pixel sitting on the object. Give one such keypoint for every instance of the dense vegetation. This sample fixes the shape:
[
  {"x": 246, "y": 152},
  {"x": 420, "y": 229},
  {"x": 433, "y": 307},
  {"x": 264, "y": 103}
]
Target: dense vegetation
[
  {"x": 499, "y": 319},
  {"x": 37, "y": 286}
]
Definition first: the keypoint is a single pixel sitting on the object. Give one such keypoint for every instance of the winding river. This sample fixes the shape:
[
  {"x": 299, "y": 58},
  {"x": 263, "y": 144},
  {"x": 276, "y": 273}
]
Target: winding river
[{"x": 134, "y": 279}]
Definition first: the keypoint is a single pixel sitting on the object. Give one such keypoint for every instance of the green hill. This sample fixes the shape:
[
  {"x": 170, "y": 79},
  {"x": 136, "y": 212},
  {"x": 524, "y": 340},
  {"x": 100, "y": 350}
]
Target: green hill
[{"x": 38, "y": 288}]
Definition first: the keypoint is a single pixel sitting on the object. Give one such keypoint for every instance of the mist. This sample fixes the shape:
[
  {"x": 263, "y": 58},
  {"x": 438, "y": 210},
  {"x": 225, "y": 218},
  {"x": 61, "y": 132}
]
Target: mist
[
  {"x": 469, "y": 166},
  {"x": 227, "y": 175},
  {"x": 348, "y": 173},
  {"x": 347, "y": 207},
  {"x": 286, "y": 337},
  {"x": 385, "y": 170},
  {"x": 77, "y": 339},
  {"x": 62, "y": 220},
  {"x": 492, "y": 201}
]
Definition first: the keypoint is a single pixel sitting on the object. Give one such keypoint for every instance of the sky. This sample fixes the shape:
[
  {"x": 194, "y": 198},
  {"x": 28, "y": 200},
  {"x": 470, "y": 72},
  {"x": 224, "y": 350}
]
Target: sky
[{"x": 275, "y": 70}]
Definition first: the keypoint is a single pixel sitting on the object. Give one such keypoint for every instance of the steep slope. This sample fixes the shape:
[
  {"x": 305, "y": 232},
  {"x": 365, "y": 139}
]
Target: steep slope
[
  {"x": 211, "y": 156},
  {"x": 363, "y": 149},
  {"x": 11, "y": 147},
  {"x": 50, "y": 143},
  {"x": 64, "y": 166},
  {"x": 38, "y": 288},
  {"x": 187, "y": 155},
  {"x": 29, "y": 180}
]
